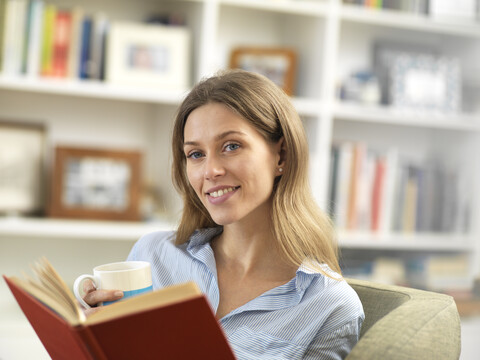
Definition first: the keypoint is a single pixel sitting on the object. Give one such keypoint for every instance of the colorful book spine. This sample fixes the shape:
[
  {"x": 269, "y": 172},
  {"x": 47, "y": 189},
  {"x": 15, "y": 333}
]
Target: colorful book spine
[
  {"x": 49, "y": 18},
  {"x": 377, "y": 191},
  {"x": 61, "y": 43},
  {"x": 35, "y": 28},
  {"x": 85, "y": 47},
  {"x": 75, "y": 43}
]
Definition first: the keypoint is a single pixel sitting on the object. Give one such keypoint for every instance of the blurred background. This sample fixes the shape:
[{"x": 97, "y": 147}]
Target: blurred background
[{"x": 388, "y": 91}]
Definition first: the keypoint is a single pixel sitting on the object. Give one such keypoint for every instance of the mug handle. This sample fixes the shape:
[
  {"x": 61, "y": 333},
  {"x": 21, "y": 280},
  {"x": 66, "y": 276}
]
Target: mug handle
[{"x": 78, "y": 288}]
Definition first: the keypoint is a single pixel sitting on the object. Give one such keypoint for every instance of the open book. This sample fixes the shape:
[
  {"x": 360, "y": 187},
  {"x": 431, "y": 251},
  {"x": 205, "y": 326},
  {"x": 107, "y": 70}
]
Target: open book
[{"x": 172, "y": 323}]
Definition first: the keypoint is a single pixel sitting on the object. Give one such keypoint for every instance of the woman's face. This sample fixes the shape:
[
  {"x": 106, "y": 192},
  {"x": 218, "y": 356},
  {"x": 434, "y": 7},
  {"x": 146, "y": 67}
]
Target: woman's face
[{"x": 230, "y": 165}]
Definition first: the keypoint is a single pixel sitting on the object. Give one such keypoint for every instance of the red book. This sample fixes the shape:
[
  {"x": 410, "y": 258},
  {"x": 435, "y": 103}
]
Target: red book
[
  {"x": 172, "y": 323},
  {"x": 61, "y": 43}
]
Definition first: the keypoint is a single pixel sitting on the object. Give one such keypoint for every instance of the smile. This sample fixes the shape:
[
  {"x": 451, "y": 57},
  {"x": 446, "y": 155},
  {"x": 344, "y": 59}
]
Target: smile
[{"x": 222, "y": 192}]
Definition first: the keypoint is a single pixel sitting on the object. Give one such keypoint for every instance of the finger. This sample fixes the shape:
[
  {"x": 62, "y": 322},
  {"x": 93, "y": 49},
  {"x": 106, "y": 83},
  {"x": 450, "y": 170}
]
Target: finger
[
  {"x": 88, "y": 286},
  {"x": 94, "y": 297},
  {"x": 91, "y": 311}
]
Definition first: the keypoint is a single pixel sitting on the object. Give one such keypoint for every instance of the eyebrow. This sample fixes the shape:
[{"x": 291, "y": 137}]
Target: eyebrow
[{"x": 218, "y": 137}]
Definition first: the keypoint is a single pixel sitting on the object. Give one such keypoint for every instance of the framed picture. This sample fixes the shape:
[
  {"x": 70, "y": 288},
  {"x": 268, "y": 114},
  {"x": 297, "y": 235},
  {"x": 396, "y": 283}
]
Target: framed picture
[
  {"x": 96, "y": 184},
  {"x": 384, "y": 55},
  {"x": 425, "y": 82},
  {"x": 22, "y": 164},
  {"x": 151, "y": 55},
  {"x": 277, "y": 64}
]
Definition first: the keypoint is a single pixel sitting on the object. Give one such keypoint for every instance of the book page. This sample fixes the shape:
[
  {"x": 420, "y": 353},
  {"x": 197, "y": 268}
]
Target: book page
[
  {"x": 47, "y": 273},
  {"x": 51, "y": 289},
  {"x": 46, "y": 297}
]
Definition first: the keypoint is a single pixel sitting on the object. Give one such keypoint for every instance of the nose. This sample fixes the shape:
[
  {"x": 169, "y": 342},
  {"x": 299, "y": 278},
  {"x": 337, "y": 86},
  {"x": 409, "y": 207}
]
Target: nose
[{"x": 213, "y": 167}]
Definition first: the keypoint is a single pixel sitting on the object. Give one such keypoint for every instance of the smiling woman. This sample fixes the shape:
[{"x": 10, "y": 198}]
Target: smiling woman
[
  {"x": 230, "y": 165},
  {"x": 251, "y": 235}
]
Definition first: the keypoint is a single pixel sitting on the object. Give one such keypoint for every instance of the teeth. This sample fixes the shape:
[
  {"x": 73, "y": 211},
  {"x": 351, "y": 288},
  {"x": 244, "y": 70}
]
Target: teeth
[{"x": 221, "y": 192}]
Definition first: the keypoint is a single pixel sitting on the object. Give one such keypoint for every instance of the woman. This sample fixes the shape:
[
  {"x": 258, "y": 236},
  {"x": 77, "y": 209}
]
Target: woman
[{"x": 251, "y": 235}]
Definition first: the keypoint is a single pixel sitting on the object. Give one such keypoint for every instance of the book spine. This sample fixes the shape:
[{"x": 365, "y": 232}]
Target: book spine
[
  {"x": 333, "y": 180},
  {"x": 3, "y": 25},
  {"x": 343, "y": 187},
  {"x": 33, "y": 59},
  {"x": 378, "y": 184},
  {"x": 15, "y": 13},
  {"x": 85, "y": 47},
  {"x": 388, "y": 194},
  {"x": 61, "y": 43},
  {"x": 47, "y": 41},
  {"x": 95, "y": 64},
  {"x": 26, "y": 37},
  {"x": 409, "y": 214},
  {"x": 75, "y": 43}
]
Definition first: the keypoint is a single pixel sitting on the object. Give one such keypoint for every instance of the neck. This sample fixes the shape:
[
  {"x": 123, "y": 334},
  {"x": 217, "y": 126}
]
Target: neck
[{"x": 250, "y": 251}]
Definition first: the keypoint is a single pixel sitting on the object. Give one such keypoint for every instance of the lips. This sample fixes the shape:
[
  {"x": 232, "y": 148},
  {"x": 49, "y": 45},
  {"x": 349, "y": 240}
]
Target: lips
[{"x": 220, "y": 194}]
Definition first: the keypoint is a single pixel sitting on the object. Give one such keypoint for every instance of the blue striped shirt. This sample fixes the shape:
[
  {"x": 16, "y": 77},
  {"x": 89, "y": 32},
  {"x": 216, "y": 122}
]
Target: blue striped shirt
[{"x": 310, "y": 317}]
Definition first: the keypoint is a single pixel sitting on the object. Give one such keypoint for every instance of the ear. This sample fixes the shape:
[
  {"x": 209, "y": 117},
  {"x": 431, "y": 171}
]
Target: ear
[{"x": 281, "y": 153}]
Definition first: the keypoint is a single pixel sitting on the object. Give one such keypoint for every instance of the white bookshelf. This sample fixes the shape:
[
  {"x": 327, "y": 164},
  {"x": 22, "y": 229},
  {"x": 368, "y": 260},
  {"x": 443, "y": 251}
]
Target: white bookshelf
[
  {"x": 15, "y": 227},
  {"x": 331, "y": 39},
  {"x": 219, "y": 26},
  {"x": 401, "y": 20},
  {"x": 406, "y": 242},
  {"x": 91, "y": 89},
  {"x": 386, "y": 115}
]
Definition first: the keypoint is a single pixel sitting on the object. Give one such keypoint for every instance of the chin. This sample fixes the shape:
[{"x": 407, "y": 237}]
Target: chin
[{"x": 223, "y": 220}]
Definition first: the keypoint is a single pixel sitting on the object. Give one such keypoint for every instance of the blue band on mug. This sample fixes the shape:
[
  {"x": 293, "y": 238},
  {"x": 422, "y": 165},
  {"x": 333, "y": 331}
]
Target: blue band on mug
[{"x": 130, "y": 293}]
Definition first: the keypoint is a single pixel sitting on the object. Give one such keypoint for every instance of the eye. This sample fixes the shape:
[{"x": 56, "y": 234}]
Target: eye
[
  {"x": 194, "y": 155},
  {"x": 232, "y": 147}
]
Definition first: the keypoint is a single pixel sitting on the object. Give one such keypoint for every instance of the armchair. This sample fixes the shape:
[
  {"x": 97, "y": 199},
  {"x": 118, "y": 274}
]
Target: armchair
[{"x": 406, "y": 324}]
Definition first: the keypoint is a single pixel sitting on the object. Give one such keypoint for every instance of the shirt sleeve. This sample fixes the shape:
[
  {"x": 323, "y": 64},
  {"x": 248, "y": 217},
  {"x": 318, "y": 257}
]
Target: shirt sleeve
[{"x": 337, "y": 344}]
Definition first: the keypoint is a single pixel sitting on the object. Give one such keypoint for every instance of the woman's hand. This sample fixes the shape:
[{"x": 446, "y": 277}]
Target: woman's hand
[{"x": 93, "y": 296}]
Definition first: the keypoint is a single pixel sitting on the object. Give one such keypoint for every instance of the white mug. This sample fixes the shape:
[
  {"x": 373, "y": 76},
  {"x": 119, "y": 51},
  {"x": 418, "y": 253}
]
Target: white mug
[{"x": 132, "y": 277}]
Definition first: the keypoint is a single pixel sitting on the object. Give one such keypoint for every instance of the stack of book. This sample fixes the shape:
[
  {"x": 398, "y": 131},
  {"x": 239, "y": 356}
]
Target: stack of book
[
  {"x": 383, "y": 192},
  {"x": 42, "y": 39},
  {"x": 412, "y": 6}
]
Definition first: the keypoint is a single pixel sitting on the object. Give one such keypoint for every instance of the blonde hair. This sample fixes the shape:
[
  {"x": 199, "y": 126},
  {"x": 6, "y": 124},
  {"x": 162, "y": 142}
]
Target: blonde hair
[{"x": 303, "y": 232}]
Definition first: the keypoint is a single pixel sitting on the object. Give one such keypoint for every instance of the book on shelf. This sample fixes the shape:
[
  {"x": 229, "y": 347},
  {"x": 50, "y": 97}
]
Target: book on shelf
[
  {"x": 96, "y": 60},
  {"x": 413, "y": 6},
  {"x": 75, "y": 43},
  {"x": 13, "y": 33},
  {"x": 49, "y": 17},
  {"x": 176, "y": 322},
  {"x": 381, "y": 191},
  {"x": 61, "y": 43},
  {"x": 33, "y": 39},
  {"x": 85, "y": 41}
]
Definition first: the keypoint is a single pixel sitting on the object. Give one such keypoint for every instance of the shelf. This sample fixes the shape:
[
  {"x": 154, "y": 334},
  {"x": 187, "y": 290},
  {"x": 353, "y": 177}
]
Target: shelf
[
  {"x": 410, "y": 242},
  {"x": 392, "y": 116},
  {"x": 403, "y": 20},
  {"x": 94, "y": 89},
  {"x": 300, "y": 7},
  {"x": 77, "y": 229}
]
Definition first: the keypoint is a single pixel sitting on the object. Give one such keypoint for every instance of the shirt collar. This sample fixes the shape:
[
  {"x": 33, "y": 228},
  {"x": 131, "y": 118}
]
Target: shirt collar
[
  {"x": 199, "y": 247},
  {"x": 202, "y": 236}
]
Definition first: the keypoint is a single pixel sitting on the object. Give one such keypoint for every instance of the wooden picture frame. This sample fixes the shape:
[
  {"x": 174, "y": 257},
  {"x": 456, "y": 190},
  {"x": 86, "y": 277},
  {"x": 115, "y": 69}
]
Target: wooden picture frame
[
  {"x": 22, "y": 167},
  {"x": 96, "y": 184},
  {"x": 277, "y": 64}
]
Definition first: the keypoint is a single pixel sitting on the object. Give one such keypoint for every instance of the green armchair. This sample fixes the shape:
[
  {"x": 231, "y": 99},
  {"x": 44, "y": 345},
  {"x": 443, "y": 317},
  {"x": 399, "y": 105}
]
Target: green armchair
[{"x": 406, "y": 324}]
